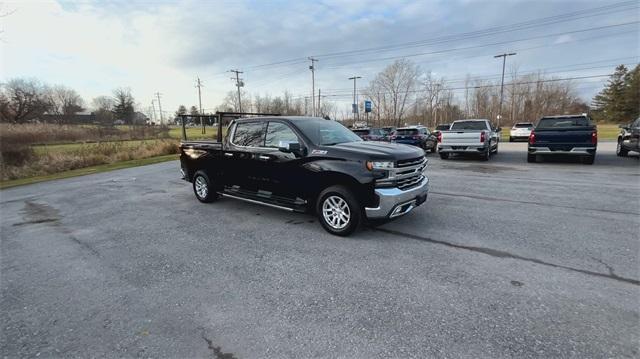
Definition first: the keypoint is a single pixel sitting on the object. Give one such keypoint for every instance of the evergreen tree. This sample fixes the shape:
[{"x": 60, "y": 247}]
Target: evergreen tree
[{"x": 609, "y": 104}]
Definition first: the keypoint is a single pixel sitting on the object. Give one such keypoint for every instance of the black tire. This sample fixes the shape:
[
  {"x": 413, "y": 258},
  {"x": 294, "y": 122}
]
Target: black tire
[
  {"x": 485, "y": 156},
  {"x": 588, "y": 160},
  {"x": 209, "y": 194},
  {"x": 620, "y": 150},
  {"x": 496, "y": 151},
  {"x": 354, "y": 213},
  {"x": 531, "y": 158},
  {"x": 510, "y": 139},
  {"x": 434, "y": 149},
  {"x": 444, "y": 156}
]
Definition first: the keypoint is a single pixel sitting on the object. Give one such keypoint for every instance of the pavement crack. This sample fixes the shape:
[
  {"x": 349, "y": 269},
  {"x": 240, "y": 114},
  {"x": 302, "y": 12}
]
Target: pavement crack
[
  {"x": 216, "y": 351},
  {"x": 609, "y": 268},
  {"x": 504, "y": 254},
  {"x": 532, "y": 202},
  {"x": 35, "y": 221}
]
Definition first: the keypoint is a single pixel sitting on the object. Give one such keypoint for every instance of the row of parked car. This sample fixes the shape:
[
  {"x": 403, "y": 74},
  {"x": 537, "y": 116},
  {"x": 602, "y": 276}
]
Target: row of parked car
[{"x": 574, "y": 135}]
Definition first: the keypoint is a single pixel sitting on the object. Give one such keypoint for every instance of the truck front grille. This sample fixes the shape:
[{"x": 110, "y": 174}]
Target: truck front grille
[
  {"x": 409, "y": 182},
  {"x": 409, "y": 162}
]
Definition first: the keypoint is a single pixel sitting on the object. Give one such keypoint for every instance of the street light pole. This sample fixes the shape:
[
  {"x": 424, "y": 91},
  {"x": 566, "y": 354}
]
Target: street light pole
[
  {"x": 355, "y": 103},
  {"x": 504, "y": 62}
]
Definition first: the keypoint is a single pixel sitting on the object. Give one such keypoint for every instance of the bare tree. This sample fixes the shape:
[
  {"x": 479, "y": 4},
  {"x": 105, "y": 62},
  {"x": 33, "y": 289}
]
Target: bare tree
[
  {"x": 23, "y": 100},
  {"x": 64, "y": 102},
  {"x": 395, "y": 84}
]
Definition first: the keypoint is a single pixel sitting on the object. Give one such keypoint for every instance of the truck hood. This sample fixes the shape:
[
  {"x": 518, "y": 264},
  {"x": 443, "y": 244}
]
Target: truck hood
[{"x": 377, "y": 150}]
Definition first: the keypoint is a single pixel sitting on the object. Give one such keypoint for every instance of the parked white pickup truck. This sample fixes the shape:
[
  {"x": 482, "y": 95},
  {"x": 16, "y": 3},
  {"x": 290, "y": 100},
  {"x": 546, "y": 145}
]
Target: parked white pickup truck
[{"x": 469, "y": 136}]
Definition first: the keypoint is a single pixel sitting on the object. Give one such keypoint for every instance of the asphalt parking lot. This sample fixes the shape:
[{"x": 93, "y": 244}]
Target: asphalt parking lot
[{"x": 506, "y": 259}]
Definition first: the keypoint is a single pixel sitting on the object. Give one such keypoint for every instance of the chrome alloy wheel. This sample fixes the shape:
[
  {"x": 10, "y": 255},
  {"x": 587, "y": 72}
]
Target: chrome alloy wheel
[
  {"x": 336, "y": 212},
  {"x": 202, "y": 189}
]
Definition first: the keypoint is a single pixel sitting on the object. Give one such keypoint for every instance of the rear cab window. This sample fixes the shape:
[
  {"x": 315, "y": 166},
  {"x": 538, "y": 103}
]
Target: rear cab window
[
  {"x": 249, "y": 134},
  {"x": 564, "y": 122},
  {"x": 523, "y": 125},
  {"x": 469, "y": 125},
  {"x": 361, "y": 132}
]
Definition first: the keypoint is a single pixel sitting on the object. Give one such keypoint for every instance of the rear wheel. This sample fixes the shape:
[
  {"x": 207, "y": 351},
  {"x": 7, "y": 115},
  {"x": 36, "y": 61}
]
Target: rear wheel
[
  {"x": 620, "y": 150},
  {"x": 339, "y": 211},
  {"x": 531, "y": 158},
  {"x": 203, "y": 188},
  {"x": 487, "y": 153},
  {"x": 588, "y": 160},
  {"x": 444, "y": 156}
]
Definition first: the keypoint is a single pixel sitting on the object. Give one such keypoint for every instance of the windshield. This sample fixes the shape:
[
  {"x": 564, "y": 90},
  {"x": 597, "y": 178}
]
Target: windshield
[
  {"x": 326, "y": 132},
  {"x": 469, "y": 125},
  {"x": 559, "y": 122}
]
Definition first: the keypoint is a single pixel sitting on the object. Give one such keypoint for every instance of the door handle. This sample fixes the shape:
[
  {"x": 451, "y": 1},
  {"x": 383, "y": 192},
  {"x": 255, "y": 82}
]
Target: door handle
[
  {"x": 264, "y": 158},
  {"x": 228, "y": 154}
]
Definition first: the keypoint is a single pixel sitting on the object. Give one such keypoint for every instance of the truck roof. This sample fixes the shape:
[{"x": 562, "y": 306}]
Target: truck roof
[
  {"x": 472, "y": 119},
  {"x": 565, "y": 116}
]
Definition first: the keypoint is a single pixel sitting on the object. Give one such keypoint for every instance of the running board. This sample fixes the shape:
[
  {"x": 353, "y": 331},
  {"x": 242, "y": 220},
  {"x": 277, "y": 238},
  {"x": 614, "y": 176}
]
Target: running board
[{"x": 256, "y": 202}]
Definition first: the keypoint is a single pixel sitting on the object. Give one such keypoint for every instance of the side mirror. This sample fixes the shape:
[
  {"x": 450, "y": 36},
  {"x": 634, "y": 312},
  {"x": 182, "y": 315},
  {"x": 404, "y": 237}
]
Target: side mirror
[
  {"x": 289, "y": 147},
  {"x": 498, "y": 129}
]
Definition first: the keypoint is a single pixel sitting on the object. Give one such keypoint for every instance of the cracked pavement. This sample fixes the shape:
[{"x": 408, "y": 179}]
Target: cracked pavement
[{"x": 506, "y": 259}]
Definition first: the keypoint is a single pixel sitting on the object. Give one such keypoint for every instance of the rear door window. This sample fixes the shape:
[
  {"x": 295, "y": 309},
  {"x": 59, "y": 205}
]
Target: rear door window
[{"x": 249, "y": 134}]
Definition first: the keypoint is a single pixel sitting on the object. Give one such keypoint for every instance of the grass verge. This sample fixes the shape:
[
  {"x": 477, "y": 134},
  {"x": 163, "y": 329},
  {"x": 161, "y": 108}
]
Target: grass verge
[{"x": 87, "y": 170}]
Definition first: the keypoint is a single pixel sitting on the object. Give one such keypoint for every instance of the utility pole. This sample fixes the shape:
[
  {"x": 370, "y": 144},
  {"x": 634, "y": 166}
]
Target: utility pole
[
  {"x": 306, "y": 105},
  {"x": 155, "y": 115},
  {"x": 504, "y": 61},
  {"x": 160, "y": 108},
  {"x": 199, "y": 85},
  {"x": 354, "y": 107},
  {"x": 239, "y": 83},
  {"x": 313, "y": 85},
  {"x": 319, "y": 113}
]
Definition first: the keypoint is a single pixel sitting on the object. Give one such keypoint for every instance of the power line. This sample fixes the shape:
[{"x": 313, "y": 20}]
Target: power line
[{"x": 545, "y": 21}]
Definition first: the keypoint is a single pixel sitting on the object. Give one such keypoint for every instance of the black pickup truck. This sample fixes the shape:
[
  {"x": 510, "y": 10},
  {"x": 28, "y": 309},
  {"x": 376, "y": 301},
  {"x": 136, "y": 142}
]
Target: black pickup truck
[
  {"x": 574, "y": 135},
  {"x": 308, "y": 164}
]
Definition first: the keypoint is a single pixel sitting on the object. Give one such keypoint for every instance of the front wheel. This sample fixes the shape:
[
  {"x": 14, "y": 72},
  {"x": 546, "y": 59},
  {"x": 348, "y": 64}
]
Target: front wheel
[
  {"x": 444, "y": 156},
  {"x": 339, "y": 211},
  {"x": 203, "y": 188},
  {"x": 510, "y": 139},
  {"x": 620, "y": 150}
]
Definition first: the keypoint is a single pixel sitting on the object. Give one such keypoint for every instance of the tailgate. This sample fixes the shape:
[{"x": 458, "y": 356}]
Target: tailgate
[
  {"x": 567, "y": 136},
  {"x": 461, "y": 138}
]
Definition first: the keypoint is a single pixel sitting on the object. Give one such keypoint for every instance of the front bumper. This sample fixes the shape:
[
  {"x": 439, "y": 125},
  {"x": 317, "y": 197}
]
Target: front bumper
[{"x": 394, "y": 202}]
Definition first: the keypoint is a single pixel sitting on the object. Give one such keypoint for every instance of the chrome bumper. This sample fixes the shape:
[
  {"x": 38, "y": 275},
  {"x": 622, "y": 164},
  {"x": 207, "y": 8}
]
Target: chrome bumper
[
  {"x": 573, "y": 151},
  {"x": 468, "y": 149},
  {"x": 395, "y": 202}
]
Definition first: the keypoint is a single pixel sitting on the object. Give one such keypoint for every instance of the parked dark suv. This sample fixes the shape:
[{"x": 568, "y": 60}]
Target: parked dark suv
[
  {"x": 628, "y": 138},
  {"x": 370, "y": 134},
  {"x": 416, "y": 136}
]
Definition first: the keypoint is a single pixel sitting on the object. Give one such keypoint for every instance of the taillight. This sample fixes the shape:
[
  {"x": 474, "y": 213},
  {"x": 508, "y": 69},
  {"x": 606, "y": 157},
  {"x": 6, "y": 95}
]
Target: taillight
[
  {"x": 532, "y": 138},
  {"x": 594, "y": 137},
  {"x": 482, "y": 137},
  {"x": 439, "y": 137}
]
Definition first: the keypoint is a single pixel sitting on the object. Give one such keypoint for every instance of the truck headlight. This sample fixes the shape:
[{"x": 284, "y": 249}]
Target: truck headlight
[{"x": 379, "y": 165}]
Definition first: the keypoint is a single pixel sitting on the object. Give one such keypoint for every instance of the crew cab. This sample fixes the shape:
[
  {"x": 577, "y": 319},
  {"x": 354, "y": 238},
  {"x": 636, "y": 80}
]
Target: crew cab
[
  {"x": 520, "y": 131},
  {"x": 370, "y": 134},
  {"x": 469, "y": 137},
  {"x": 574, "y": 135},
  {"x": 628, "y": 138},
  {"x": 308, "y": 164},
  {"x": 416, "y": 136}
]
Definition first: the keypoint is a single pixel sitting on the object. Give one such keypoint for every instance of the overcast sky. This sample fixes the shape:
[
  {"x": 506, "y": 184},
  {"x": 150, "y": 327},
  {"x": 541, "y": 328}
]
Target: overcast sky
[{"x": 162, "y": 46}]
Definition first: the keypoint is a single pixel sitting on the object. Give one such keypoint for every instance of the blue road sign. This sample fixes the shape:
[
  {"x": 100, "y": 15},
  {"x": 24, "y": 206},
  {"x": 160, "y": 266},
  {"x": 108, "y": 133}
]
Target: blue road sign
[{"x": 367, "y": 106}]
